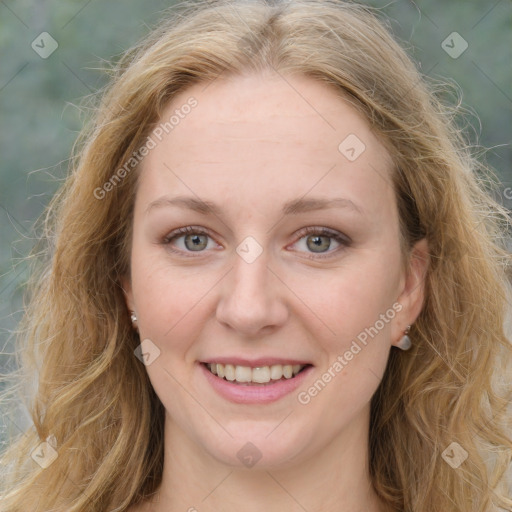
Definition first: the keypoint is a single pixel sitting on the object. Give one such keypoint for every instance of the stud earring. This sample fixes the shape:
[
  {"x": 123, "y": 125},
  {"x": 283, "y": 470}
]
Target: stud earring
[
  {"x": 133, "y": 317},
  {"x": 405, "y": 342}
]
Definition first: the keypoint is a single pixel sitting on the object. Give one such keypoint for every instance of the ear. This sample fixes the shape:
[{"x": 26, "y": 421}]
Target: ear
[
  {"x": 126, "y": 284},
  {"x": 412, "y": 289}
]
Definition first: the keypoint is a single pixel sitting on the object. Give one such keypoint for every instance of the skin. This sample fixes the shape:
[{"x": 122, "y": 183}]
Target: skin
[{"x": 251, "y": 144}]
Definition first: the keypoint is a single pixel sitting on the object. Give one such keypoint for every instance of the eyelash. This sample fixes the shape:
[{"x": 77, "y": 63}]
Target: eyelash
[{"x": 343, "y": 240}]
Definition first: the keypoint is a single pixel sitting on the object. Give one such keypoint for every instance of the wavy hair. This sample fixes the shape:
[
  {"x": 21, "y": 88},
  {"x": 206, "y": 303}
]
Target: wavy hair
[{"x": 95, "y": 398}]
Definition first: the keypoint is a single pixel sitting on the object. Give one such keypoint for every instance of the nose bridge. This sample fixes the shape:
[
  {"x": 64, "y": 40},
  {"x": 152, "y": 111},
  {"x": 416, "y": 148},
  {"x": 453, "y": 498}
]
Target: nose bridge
[{"x": 250, "y": 300}]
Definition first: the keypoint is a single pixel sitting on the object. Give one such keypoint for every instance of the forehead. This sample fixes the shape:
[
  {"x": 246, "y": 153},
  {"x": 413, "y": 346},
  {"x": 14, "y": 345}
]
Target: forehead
[{"x": 257, "y": 133}]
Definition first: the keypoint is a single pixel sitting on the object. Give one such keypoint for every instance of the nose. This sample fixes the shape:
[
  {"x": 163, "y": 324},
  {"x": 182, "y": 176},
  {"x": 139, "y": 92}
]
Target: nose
[{"x": 252, "y": 301}]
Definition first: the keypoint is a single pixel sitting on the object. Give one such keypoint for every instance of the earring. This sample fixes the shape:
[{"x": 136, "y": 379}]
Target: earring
[
  {"x": 133, "y": 317},
  {"x": 405, "y": 342}
]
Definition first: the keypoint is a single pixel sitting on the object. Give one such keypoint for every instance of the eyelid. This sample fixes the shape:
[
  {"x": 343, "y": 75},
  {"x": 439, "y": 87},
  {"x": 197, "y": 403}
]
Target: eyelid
[
  {"x": 321, "y": 230},
  {"x": 176, "y": 233}
]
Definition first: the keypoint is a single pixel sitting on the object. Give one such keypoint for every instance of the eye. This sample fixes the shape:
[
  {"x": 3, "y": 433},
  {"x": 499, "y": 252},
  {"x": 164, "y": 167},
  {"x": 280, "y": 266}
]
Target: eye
[
  {"x": 318, "y": 240},
  {"x": 195, "y": 239}
]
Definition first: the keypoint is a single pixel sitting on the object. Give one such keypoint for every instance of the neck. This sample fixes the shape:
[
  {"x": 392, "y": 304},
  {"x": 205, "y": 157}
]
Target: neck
[{"x": 335, "y": 479}]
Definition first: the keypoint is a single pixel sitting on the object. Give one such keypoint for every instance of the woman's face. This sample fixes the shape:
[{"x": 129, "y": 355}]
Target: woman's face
[{"x": 248, "y": 290}]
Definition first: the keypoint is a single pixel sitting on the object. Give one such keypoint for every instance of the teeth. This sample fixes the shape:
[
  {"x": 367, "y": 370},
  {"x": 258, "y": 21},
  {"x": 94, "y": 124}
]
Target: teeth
[
  {"x": 229, "y": 371},
  {"x": 243, "y": 374},
  {"x": 259, "y": 375},
  {"x": 276, "y": 372}
]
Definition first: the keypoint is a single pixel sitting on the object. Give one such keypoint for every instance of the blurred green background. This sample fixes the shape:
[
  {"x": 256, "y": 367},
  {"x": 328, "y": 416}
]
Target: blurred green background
[{"x": 41, "y": 115}]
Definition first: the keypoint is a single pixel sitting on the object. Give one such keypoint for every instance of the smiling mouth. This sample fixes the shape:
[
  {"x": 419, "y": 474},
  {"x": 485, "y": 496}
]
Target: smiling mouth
[{"x": 246, "y": 375}]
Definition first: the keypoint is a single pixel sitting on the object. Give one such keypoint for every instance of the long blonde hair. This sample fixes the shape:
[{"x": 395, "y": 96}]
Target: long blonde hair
[{"x": 94, "y": 397}]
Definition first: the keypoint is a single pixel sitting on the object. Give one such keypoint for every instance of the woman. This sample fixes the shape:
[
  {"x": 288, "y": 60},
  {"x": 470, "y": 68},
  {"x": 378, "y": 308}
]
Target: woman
[{"x": 269, "y": 206}]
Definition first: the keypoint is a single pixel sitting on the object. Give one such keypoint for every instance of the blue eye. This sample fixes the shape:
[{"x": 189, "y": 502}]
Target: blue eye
[{"x": 318, "y": 240}]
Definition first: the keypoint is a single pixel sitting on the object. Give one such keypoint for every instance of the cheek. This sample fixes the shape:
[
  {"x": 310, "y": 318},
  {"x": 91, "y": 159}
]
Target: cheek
[
  {"x": 168, "y": 300},
  {"x": 354, "y": 296},
  {"x": 359, "y": 313}
]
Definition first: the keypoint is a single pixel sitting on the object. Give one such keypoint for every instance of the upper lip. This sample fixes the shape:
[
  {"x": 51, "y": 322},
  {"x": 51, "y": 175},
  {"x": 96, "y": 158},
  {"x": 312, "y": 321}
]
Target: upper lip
[{"x": 254, "y": 363}]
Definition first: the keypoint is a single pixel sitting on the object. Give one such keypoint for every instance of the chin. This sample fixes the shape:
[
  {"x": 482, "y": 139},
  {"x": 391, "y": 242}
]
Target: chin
[{"x": 258, "y": 448}]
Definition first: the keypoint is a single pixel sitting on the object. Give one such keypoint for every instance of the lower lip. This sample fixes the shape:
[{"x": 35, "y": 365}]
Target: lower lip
[{"x": 254, "y": 393}]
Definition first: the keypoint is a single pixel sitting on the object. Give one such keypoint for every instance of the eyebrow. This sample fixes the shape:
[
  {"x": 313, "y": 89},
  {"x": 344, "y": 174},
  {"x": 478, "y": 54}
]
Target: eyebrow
[{"x": 293, "y": 207}]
